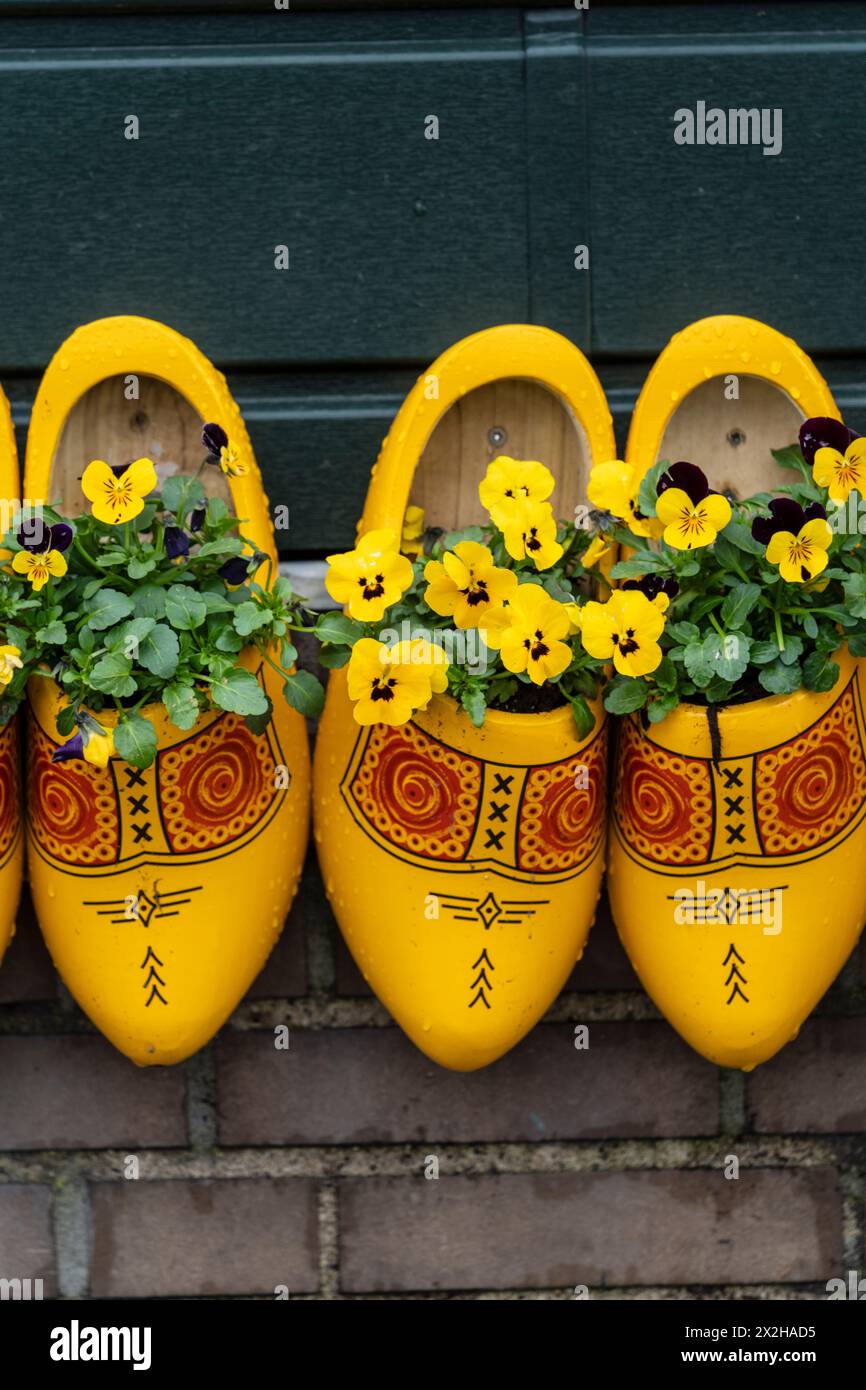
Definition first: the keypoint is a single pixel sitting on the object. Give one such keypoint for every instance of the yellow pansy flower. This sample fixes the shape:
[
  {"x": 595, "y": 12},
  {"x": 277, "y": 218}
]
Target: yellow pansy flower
[
  {"x": 467, "y": 585},
  {"x": 802, "y": 556},
  {"x": 118, "y": 495},
  {"x": 98, "y": 748},
  {"x": 509, "y": 482},
  {"x": 420, "y": 652},
  {"x": 841, "y": 473},
  {"x": 369, "y": 578},
  {"x": 613, "y": 487},
  {"x": 533, "y": 641},
  {"x": 691, "y": 514},
  {"x": 411, "y": 541},
  {"x": 385, "y": 688},
  {"x": 625, "y": 628},
  {"x": 531, "y": 534},
  {"x": 10, "y": 662},
  {"x": 598, "y": 548},
  {"x": 41, "y": 567}
]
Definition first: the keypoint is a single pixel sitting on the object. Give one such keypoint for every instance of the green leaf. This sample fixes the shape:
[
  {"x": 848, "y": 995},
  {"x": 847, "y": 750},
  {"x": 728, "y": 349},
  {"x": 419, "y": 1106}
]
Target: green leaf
[
  {"x": 229, "y": 641},
  {"x": 647, "y": 496},
  {"x": 819, "y": 673},
  {"x": 682, "y": 633},
  {"x": 475, "y": 704},
  {"x": 250, "y": 616},
  {"x": 66, "y": 721},
  {"x": 792, "y": 650},
  {"x": 227, "y": 545},
  {"x": 789, "y": 457},
  {"x": 217, "y": 511},
  {"x": 53, "y": 634},
  {"x": 665, "y": 676},
  {"x": 240, "y": 692},
  {"x": 257, "y": 723},
  {"x": 185, "y": 609},
  {"x": 764, "y": 652},
  {"x": 740, "y": 535},
  {"x": 583, "y": 717},
  {"x": 648, "y": 563},
  {"x": 180, "y": 701},
  {"x": 623, "y": 696},
  {"x": 697, "y": 664},
  {"x": 142, "y": 565},
  {"x": 857, "y": 644},
  {"x": 304, "y": 693},
  {"x": 332, "y": 658},
  {"x": 108, "y": 607},
  {"x": 289, "y": 653},
  {"x": 111, "y": 675},
  {"x": 727, "y": 657},
  {"x": 338, "y": 629},
  {"x": 780, "y": 679},
  {"x": 739, "y": 604},
  {"x": 149, "y": 600},
  {"x": 135, "y": 740},
  {"x": 855, "y": 595},
  {"x": 180, "y": 489},
  {"x": 659, "y": 709},
  {"x": 810, "y": 626},
  {"x": 158, "y": 651},
  {"x": 216, "y": 603}
]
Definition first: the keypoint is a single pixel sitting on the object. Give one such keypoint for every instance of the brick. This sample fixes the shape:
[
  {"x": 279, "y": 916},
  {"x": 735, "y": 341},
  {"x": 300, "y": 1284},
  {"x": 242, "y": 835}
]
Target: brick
[
  {"x": 373, "y": 1085},
  {"x": 27, "y": 973},
  {"x": 285, "y": 974},
  {"x": 605, "y": 964},
  {"x": 557, "y": 1230},
  {"x": 78, "y": 1092},
  {"x": 815, "y": 1085},
  {"x": 26, "y": 1241},
  {"x": 230, "y": 1236}
]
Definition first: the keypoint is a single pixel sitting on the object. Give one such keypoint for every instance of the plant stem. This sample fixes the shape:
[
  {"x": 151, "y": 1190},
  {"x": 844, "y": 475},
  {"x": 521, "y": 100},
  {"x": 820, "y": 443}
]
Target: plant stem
[{"x": 780, "y": 637}]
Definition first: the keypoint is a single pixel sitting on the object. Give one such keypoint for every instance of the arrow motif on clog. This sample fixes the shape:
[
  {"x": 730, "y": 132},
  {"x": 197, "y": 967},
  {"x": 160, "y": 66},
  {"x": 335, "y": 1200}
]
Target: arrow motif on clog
[{"x": 735, "y": 972}]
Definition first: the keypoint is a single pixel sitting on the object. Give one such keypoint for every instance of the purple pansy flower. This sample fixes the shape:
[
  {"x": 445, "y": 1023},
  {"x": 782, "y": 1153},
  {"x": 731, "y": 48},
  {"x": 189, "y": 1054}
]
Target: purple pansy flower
[
  {"x": 176, "y": 542},
  {"x": 785, "y": 515},
  {"x": 823, "y": 432},
  {"x": 196, "y": 519},
  {"x": 652, "y": 585},
  {"x": 235, "y": 570},
  {"x": 37, "y": 536},
  {"x": 214, "y": 439},
  {"x": 72, "y": 748}
]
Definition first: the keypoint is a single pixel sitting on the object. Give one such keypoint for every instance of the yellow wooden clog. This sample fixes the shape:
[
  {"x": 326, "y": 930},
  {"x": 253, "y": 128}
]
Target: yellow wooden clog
[
  {"x": 11, "y": 830},
  {"x": 737, "y": 868},
  {"x": 160, "y": 892},
  {"x": 463, "y": 865}
]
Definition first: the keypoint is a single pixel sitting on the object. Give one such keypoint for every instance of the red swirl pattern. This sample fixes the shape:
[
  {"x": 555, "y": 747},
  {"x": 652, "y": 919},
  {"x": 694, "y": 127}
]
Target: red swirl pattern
[
  {"x": 72, "y": 807},
  {"x": 663, "y": 803},
  {"x": 811, "y": 789},
  {"x": 562, "y": 818},
  {"x": 417, "y": 793},
  {"x": 216, "y": 786},
  {"x": 10, "y": 788}
]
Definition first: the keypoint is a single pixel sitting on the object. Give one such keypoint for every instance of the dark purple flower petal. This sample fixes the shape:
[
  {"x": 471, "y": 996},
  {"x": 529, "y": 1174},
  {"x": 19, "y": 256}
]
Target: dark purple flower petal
[
  {"x": 234, "y": 571},
  {"x": 176, "y": 542},
  {"x": 815, "y": 512},
  {"x": 823, "y": 432},
  {"x": 652, "y": 585},
  {"x": 196, "y": 519},
  {"x": 73, "y": 748},
  {"x": 118, "y": 469},
  {"x": 34, "y": 535},
  {"x": 214, "y": 438},
  {"x": 61, "y": 536},
  {"x": 689, "y": 478},
  {"x": 785, "y": 515}
]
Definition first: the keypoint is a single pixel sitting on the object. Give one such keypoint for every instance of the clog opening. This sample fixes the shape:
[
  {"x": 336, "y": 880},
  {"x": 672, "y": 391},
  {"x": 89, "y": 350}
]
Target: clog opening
[
  {"x": 730, "y": 438},
  {"x": 513, "y": 416},
  {"x": 125, "y": 418}
]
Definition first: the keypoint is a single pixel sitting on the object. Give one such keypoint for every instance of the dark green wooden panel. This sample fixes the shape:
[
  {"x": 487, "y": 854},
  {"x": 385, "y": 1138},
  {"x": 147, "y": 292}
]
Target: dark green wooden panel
[
  {"x": 397, "y": 243},
  {"x": 678, "y": 231}
]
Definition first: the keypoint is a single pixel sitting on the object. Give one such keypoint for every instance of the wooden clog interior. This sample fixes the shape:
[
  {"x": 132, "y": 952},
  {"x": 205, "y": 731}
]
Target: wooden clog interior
[
  {"x": 731, "y": 439},
  {"x": 516, "y": 417},
  {"x": 104, "y": 424}
]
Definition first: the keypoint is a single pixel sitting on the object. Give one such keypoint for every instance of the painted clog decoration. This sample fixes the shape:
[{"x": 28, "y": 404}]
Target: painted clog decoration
[
  {"x": 11, "y": 823},
  {"x": 160, "y": 891},
  {"x": 464, "y": 863},
  {"x": 737, "y": 865}
]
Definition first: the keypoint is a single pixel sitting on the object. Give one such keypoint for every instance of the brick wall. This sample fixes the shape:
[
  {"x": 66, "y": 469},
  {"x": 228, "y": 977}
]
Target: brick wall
[{"x": 304, "y": 1168}]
